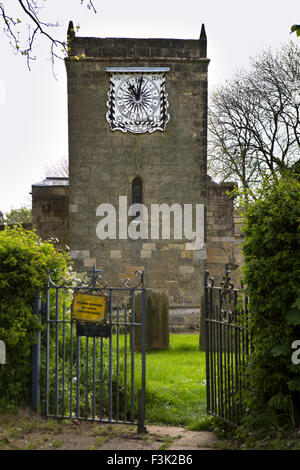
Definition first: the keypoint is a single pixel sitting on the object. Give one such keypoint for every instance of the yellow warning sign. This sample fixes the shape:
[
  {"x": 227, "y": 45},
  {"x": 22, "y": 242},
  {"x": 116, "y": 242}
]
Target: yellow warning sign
[{"x": 88, "y": 307}]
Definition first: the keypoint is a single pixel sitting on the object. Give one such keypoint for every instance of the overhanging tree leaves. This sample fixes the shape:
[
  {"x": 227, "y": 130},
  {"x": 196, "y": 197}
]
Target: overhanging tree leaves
[
  {"x": 23, "y": 23},
  {"x": 296, "y": 29},
  {"x": 254, "y": 126}
]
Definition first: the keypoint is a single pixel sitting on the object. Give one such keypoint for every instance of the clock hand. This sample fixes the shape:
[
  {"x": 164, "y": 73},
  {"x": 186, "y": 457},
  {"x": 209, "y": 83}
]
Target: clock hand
[
  {"x": 131, "y": 87},
  {"x": 139, "y": 89}
]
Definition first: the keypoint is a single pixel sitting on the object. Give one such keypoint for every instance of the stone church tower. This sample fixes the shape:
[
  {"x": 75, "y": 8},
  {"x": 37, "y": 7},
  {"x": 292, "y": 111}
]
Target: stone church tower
[{"x": 138, "y": 130}]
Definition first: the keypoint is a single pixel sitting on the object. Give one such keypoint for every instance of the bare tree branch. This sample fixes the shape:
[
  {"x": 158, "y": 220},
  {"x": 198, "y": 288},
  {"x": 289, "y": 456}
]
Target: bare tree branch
[
  {"x": 58, "y": 169},
  {"x": 254, "y": 123},
  {"x": 30, "y": 19}
]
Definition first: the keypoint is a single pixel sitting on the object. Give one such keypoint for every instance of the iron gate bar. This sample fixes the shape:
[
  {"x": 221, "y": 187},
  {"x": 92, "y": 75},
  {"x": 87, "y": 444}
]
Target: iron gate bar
[
  {"x": 125, "y": 365},
  {"x": 47, "y": 344},
  {"x": 110, "y": 358},
  {"x": 142, "y": 391},
  {"x": 132, "y": 359},
  {"x": 36, "y": 357},
  {"x": 117, "y": 366},
  {"x": 227, "y": 349},
  {"x": 64, "y": 357},
  {"x": 94, "y": 377},
  {"x": 71, "y": 369},
  {"x": 56, "y": 351},
  {"x": 101, "y": 376}
]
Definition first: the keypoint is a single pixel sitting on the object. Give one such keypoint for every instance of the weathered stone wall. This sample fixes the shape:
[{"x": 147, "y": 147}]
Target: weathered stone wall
[
  {"x": 223, "y": 236},
  {"x": 184, "y": 318},
  {"x": 171, "y": 164},
  {"x": 224, "y": 239},
  {"x": 238, "y": 255},
  {"x": 50, "y": 209}
]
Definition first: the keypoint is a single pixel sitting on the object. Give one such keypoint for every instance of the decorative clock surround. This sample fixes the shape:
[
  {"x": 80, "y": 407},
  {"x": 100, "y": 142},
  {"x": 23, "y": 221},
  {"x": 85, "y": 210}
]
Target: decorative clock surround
[{"x": 137, "y": 99}]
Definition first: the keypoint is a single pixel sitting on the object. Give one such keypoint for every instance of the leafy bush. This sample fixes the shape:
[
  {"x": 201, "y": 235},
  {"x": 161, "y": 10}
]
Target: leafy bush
[
  {"x": 272, "y": 274},
  {"x": 15, "y": 216},
  {"x": 24, "y": 261}
]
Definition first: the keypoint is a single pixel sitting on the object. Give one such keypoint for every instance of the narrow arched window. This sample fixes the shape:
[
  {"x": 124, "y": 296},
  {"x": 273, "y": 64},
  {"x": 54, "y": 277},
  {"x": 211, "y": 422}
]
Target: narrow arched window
[{"x": 137, "y": 192}]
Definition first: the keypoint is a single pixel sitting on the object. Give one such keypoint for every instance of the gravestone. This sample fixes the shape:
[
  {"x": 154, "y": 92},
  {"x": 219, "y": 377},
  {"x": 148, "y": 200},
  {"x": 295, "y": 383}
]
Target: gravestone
[
  {"x": 157, "y": 321},
  {"x": 202, "y": 344},
  {"x": 2, "y": 353}
]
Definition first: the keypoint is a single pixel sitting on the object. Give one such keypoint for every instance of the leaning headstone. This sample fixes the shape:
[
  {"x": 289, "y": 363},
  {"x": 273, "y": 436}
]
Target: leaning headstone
[
  {"x": 202, "y": 343},
  {"x": 157, "y": 321},
  {"x": 2, "y": 353}
]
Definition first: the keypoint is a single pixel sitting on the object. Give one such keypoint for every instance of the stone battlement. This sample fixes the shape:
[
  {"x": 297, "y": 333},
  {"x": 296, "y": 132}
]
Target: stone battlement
[{"x": 93, "y": 47}]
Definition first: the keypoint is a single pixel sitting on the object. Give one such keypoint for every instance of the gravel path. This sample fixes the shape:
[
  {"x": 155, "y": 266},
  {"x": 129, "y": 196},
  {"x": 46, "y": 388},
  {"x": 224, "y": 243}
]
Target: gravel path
[{"x": 29, "y": 431}]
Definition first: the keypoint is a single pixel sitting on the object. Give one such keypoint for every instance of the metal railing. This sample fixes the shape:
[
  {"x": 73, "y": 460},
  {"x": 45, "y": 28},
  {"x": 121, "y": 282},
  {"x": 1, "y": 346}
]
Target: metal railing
[
  {"x": 92, "y": 371},
  {"x": 227, "y": 348}
]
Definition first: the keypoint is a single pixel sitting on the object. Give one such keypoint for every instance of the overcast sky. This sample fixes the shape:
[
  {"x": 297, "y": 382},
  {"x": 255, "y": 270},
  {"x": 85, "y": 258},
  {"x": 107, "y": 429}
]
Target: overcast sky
[{"x": 33, "y": 104}]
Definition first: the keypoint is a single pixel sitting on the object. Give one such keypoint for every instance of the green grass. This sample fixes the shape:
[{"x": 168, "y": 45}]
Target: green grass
[{"x": 175, "y": 384}]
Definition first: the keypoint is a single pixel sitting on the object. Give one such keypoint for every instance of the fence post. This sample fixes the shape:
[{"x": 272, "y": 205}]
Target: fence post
[
  {"x": 36, "y": 358},
  {"x": 141, "y": 393}
]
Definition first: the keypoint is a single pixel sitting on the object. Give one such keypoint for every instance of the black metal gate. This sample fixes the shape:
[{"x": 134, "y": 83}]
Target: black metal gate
[
  {"x": 227, "y": 348},
  {"x": 95, "y": 371}
]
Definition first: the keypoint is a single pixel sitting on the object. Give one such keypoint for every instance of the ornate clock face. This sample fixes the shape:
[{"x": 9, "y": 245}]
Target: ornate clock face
[{"x": 137, "y": 102}]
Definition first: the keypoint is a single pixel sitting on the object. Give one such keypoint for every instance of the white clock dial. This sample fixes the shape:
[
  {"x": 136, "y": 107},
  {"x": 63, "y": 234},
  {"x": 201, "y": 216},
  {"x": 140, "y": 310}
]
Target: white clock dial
[
  {"x": 137, "y": 98},
  {"x": 137, "y": 102}
]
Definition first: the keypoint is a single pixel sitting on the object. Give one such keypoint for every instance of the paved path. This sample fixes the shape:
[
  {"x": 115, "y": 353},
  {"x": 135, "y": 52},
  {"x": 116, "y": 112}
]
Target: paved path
[
  {"x": 162, "y": 437},
  {"x": 29, "y": 431}
]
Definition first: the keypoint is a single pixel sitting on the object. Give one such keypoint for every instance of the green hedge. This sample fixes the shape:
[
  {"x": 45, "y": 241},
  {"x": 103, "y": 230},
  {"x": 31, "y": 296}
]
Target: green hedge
[
  {"x": 24, "y": 261},
  {"x": 272, "y": 275}
]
